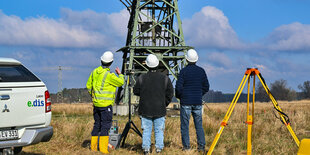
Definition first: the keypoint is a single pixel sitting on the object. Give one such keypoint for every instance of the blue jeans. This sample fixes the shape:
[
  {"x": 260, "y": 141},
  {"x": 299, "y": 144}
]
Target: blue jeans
[
  {"x": 185, "y": 115},
  {"x": 159, "y": 128}
]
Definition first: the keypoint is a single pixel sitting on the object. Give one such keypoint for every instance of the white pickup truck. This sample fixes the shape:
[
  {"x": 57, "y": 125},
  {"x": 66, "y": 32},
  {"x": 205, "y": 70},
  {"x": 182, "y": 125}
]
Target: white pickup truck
[{"x": 25, "y": 108}]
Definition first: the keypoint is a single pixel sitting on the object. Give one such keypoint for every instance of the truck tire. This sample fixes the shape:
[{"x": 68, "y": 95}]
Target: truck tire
[{"x": 17, "y": 150}]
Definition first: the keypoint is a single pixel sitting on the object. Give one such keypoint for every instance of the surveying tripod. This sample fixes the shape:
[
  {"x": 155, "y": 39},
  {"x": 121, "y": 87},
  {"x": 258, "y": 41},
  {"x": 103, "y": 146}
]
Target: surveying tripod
[
  {"x": 251, "y": 72},
  {"x": 129, "y": 123}
]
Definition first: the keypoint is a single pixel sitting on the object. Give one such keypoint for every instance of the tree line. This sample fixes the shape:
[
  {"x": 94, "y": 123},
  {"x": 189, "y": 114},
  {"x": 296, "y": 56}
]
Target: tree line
[{"x": 279, "y": 89}]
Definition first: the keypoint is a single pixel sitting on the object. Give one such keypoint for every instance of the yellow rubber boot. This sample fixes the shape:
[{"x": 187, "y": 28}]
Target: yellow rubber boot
[
  {"x": 103, "y": 144},
  {"x": 94, "y": 143}
]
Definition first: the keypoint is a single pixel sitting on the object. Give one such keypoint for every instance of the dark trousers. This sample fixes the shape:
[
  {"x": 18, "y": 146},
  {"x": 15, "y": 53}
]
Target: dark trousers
[{"x": 103, "y": 121}]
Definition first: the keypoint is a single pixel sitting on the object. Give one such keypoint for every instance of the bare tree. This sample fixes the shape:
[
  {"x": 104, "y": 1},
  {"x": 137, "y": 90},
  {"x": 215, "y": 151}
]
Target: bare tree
[
  {"x": 305, "y": 89},
  {"x": 261, "y": 93},
  {"x": 281, "y": 92}
]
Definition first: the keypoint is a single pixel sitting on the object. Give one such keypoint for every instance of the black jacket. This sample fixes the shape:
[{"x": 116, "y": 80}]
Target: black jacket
[{"x": 155, "y": 91}]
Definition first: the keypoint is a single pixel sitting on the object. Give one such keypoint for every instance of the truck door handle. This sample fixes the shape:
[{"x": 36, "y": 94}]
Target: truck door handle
[{"x": 4, "y": 97}]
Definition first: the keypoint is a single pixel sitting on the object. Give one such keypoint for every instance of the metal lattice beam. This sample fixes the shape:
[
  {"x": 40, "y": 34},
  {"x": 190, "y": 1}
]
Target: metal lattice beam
[{"x": 154, "y": 27}]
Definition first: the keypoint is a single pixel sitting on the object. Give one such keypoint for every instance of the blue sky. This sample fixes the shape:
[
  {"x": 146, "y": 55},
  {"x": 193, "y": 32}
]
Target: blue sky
[{"x": 230, "y": 36}]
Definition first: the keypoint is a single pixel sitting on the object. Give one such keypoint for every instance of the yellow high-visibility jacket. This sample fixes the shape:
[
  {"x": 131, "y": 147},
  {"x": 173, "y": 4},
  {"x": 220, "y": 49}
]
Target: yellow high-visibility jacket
[{"x": 102, "y": 84}]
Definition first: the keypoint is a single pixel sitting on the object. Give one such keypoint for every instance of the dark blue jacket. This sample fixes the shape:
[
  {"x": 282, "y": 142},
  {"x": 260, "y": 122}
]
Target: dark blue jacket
[{"x": 191, "y": 85}]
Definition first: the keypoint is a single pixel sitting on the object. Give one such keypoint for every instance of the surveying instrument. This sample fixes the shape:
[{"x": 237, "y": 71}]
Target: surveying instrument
[{"x": 252, "y": 73}]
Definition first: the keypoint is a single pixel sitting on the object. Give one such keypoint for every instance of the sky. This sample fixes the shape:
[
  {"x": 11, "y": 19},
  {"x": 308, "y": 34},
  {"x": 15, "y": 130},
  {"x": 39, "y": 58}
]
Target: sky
[{"x": 229, "y": 36}]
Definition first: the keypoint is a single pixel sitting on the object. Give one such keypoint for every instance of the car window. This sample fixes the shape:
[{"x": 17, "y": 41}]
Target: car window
[{"x": 16, "y": 73}]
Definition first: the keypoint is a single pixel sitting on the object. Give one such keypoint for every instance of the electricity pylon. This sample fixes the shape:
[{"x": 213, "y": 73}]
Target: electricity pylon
[
  {"x": 155, "y": 28},
  {"x": 60, "y": 69}
]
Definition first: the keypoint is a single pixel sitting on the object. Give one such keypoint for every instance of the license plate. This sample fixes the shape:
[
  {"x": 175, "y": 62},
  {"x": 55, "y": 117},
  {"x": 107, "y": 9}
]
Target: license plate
[{"x": 8, "y": 134}]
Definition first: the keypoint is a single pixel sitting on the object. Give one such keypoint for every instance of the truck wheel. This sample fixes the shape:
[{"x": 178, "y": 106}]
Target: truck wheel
[
  {"x": 6, "y": 151},
  {"x": 17, "y": 150}
]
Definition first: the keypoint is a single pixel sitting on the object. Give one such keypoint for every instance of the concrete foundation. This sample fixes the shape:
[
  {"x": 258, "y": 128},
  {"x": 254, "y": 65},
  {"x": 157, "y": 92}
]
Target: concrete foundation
[{"x": 122, "y": 110}]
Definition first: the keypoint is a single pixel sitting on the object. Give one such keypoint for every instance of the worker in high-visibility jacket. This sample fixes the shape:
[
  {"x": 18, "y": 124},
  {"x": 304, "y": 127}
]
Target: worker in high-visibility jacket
[{"x": 101, "y": 86}]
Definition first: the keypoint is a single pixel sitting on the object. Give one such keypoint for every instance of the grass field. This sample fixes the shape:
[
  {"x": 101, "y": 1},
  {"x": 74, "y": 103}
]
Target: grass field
[{"x": 73, "y": 123}]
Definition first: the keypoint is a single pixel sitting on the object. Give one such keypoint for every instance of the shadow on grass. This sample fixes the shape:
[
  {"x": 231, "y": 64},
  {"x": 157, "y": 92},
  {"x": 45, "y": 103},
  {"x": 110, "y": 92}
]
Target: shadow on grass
[
  {"x": 86, "y": 144},
  {"x": 30, "y": 153},
  {"x": 130, "y": 147},
  {"x": 138, "y": 148}
]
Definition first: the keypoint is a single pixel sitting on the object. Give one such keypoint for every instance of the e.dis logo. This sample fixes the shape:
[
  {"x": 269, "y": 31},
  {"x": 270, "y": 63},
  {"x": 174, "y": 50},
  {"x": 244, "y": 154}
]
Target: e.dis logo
[{"x": 35, "y": 103}]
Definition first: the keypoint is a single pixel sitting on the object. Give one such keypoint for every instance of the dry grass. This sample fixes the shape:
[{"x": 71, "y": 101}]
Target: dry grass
[{"x": 73, "y": 123}]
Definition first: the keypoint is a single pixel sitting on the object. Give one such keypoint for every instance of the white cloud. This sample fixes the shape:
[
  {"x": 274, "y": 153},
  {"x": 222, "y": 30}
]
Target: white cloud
[
  {"x": 42, "y": 58},
  {"x": 44, "y": 63},
  {"x": 291, "y": 37},
  {"x": 114, "y": 24},
  {"x": 264, "y": 69},
  {"x": 214, "y": 71},
  {"x": 86, "y": 34},
  {"x": 219, "y": 59},
  {"x": 210, "y": 28},
  {"x": 85, "y": 29}
]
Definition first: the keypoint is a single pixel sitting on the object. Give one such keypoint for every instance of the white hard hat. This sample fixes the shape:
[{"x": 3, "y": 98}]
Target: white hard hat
[
  {"x": 191, "y": 55},
  {"x": 152, "y": 61},
  {"x": 107, "y": 57}
]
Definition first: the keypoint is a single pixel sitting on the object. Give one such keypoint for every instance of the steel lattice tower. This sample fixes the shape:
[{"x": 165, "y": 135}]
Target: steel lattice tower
[{"x": 155, "y": 28}]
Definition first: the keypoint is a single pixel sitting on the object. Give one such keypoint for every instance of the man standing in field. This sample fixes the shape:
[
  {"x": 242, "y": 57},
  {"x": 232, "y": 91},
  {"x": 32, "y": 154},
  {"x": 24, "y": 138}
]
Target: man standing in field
[
  {"x": 101, "y": 86},
  {"x": 155, "y": 91},
  {"x": 191, "y": 85}
]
